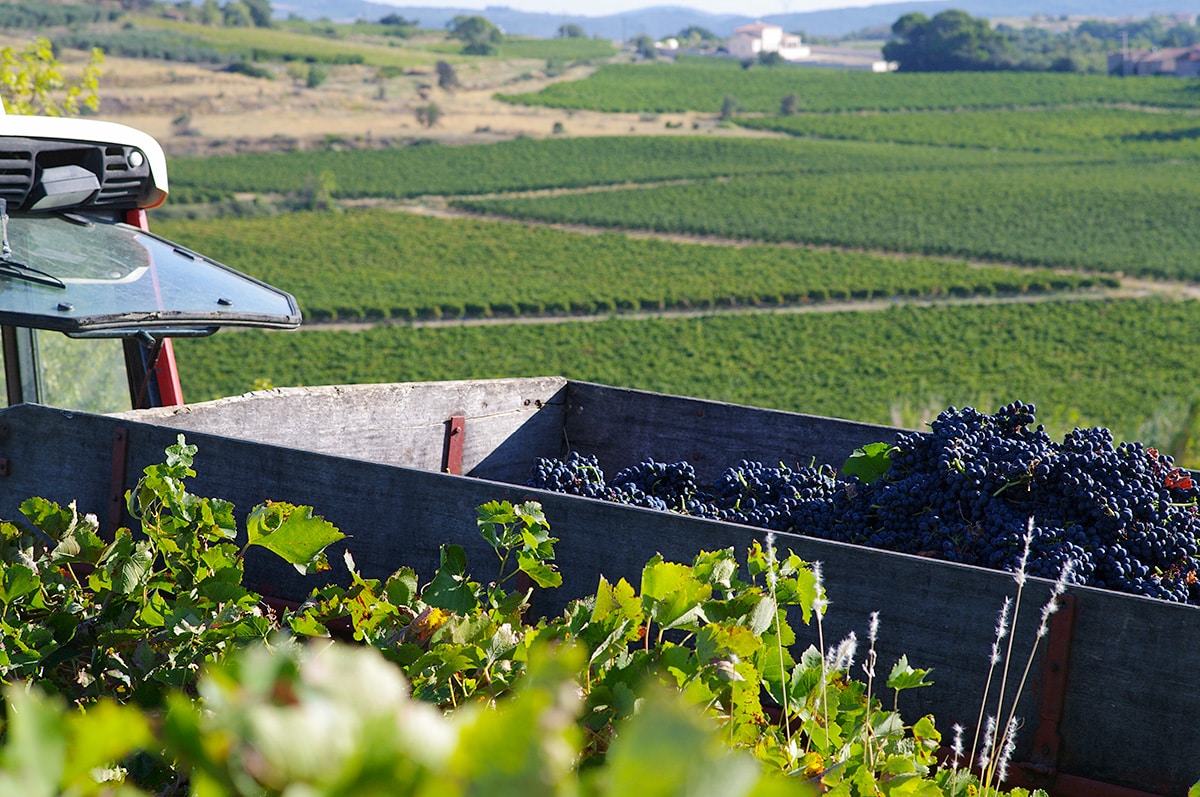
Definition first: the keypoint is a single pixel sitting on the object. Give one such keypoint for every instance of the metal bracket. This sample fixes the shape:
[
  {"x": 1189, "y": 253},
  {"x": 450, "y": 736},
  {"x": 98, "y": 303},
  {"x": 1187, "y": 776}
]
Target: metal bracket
[
  {"x": 1046, "y": 739},
  {"x": 452, "y": 458},
  {"x": 116, "y": 495}
]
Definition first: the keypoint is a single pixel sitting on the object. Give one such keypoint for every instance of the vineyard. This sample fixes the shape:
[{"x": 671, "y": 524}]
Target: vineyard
[
  {"x": 1126, "y": 364},
  {"x": 526, "y": 164},
  {"x": 401, "y": 266},
  {"x": 1082, "y": 131},
  {"x": 1130, "y": 217},
  {"x": 701, "y": 86}
]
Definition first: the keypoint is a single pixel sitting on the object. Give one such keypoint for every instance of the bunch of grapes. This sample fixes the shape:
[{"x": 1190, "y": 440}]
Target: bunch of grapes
[{"x": 1122, "y": 514}]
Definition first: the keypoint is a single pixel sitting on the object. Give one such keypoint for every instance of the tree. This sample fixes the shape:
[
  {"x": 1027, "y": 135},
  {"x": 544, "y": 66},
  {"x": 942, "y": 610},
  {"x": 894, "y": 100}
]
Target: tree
[
  {"x": 260, "y": 12},
  {"x": 570, "y": 31},
  {"x": 951, "y": 41},
  {"x": 398, "y": 21},
  {"x": 480, "y": 35},
  {"x": 236, "y": 14},
  {"x": 730, "y": 107},
  {"x": 789, "y": 105},
  {"x": 447, "y": 77},
  {"x": 316, "y": 76},
  {"x": 696, "y": 36},
  {"x": 210, "y": 13},
  {"x": 643, "y": 45},
  {"x": 32, "y": 81},
  {"x": 428, "y": 115}
]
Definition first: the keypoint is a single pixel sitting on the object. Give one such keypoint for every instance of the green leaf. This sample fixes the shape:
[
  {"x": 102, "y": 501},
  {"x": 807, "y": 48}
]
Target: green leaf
[
  {"x": 911, "y": 786},
  {"x": 17, "y": 581},
  {"x": 1195, "y": 790},
  {"x": 102, "y": 736},
  {"x": 294, "y": 534},
  {"x": 544, "y": 575},
  {"x": 671, "y": 593},
  {"x": 401, "y": 587},
  {"x": 450, "y": 589},
  {"x": 80, "y": 544},
  {"x": 48, "y": 516},
  {"x": 906, "y": 677},
  {"x": 36, "y": 748},
  {"x": 619, "y": 600},
  {"x": 126, "y": 563},
  {"x": 869, "y": 462}
]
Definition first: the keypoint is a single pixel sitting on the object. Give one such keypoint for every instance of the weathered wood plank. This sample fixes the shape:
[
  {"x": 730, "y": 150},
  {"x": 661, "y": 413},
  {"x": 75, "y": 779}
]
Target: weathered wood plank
[
  {"x": 622, "y": 427},
  {"x": 397, "y": 424}
]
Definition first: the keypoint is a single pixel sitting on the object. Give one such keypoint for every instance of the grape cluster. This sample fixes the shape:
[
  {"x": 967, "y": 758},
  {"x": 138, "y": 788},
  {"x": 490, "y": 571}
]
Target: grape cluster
[{"x": 1122, "y": 514}]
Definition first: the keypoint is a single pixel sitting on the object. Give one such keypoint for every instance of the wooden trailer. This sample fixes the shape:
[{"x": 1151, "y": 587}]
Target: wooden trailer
[{"x": 1108, "y": 711}]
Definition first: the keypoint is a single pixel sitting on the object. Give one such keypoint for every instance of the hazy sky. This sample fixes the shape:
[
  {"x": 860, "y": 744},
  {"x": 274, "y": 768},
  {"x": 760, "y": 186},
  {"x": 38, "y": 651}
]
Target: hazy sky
[{"x": 598, "y": 8}]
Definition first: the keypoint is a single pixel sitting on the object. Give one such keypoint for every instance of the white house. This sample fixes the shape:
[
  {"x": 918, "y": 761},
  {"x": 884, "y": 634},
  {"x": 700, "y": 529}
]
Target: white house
[{"x": 750, "y": 41}]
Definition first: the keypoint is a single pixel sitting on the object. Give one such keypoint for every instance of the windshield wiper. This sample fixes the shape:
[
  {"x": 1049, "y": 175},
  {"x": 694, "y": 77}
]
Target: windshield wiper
[{"x": 19, "y": 271}]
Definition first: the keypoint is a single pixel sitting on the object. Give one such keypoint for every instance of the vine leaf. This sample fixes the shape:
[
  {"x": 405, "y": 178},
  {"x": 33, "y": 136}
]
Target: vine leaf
[{"x": 294, "y": 534}]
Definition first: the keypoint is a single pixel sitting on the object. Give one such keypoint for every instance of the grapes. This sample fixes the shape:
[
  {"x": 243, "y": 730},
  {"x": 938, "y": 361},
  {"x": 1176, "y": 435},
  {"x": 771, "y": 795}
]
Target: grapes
[{"x": 1124, "y": 516}]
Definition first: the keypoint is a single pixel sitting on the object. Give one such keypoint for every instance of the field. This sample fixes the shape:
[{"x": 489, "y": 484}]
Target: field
[
  {"x": 401, "y": 266},
  {"x": 702, "y": 85},
  {"x": 1129, "y": 217},
  {"x": 1082, "y": 131},
  {"x": 527, "y": 164},
  {"x": 1129, "y": 365}
]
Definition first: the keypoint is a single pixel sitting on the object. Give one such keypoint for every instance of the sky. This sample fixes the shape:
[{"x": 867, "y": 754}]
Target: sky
[{"x": 599, "y": 8}]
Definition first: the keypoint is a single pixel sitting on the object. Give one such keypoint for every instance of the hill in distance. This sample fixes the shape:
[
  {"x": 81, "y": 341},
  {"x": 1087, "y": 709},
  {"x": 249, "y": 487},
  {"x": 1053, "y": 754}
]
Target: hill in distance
[{"x": 660, "y": 21}]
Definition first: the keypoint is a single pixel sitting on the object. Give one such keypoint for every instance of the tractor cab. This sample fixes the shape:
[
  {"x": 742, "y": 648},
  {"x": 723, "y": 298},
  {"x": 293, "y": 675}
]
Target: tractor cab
[{"x": 89, "y": 298}]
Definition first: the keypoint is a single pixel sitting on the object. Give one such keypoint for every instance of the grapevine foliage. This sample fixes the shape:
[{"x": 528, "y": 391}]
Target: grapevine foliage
[{"x": 1122, "y": 514}]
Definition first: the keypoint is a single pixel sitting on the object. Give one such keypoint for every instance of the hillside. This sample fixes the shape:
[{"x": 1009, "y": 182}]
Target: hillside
[{"x": 661, "y": 21}]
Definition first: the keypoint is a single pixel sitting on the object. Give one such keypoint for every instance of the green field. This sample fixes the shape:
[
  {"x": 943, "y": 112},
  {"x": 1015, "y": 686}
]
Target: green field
[
  {"x": 564, "y": 49},
  {"x": 527, "y": 164},
  {"x": 693, "y": 85},
  {"x": 1137, "y": 218},
  {"x": 1129, "y": 365},
  {"x": 382, "y": 264},
  {"x": 279, "y": 44},
  {"x": 1113, "y": 131}
]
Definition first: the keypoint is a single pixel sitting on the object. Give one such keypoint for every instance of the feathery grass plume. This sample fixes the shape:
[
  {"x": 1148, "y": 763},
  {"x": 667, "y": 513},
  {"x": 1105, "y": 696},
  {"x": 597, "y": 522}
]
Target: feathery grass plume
[
  {"x": 994, "y": 660},
  {"x": 819, "y": 604},
  {"x": 1020, "y": 578},
  {"x": 869, "y": 668},
  {"x": 842, "y": 657},
  {"x": 956, "y": 748},
  {"x": 1007, "y": 748},
  {"x": 1051, "y": 606},
  {"x": 989, "y": 736}
]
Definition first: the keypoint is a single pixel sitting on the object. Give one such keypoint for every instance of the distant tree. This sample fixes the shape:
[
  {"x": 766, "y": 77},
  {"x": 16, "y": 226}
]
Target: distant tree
[
  {"x": 696, "y": 36},
  {"x": 643, "y": 45},
  {"x": 210, "y": 13},
  {"x": 398, "y": 21},
  {"x": 789, "y": 105},
  {"x": 236, "y": 14},
  {"x": 570, "y": 31},
  {"x": 479, "y": 34},
  {"x": 730, "y": 107},
  {"x": 316, "y": 76},
  {"x": 260, "y": 12},
  {"x": 770, "y": 59},
  {"x": 951, "y": 41},
  {"x": 447, "y": 77},
  {"x": 428, "y": 115}
]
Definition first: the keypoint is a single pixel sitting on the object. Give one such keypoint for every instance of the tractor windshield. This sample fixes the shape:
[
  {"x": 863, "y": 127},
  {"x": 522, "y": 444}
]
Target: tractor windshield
[{"x": 87, "y": 275}]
